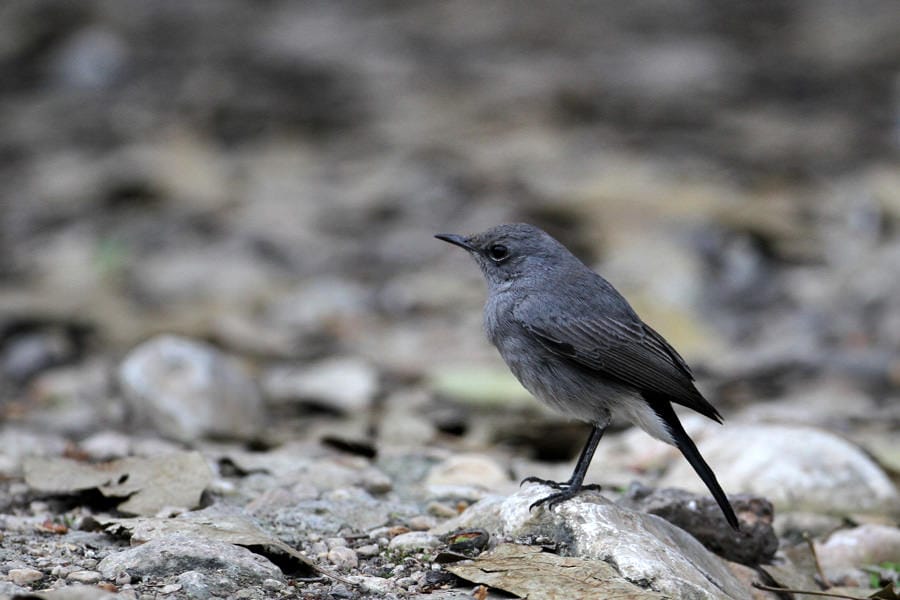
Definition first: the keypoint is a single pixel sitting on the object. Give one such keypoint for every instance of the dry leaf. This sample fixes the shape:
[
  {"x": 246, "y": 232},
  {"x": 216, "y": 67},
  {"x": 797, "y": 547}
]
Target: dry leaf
[
  {"x": 150, "y": 484},
  {"x": 529, "y": 572},
  {"x": 888, "y": 592}
]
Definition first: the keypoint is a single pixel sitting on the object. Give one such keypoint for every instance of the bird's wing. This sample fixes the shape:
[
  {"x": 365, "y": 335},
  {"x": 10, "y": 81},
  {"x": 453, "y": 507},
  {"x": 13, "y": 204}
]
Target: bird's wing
[{"x": 620, "y": 347}]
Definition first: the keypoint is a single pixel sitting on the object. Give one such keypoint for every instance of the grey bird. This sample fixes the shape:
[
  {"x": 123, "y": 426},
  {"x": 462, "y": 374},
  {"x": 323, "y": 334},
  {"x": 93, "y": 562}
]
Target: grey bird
[{"x": 576, "y": 344}]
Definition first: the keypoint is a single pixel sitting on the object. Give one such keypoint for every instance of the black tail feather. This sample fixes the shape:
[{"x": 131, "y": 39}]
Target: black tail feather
[{"x": 683, "y": 442}]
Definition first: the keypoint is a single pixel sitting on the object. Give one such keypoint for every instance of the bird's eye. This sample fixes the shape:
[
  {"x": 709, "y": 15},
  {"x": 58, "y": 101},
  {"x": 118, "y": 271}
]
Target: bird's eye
[{"x": 498, "y": 252}]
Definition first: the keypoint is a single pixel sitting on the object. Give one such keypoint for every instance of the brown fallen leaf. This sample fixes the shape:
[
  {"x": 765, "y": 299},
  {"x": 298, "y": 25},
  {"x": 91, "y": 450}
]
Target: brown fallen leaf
[
  {"x": 149, "y": 483},
  {"x": 49, "y": 526},
  {"x": 529, "y": 572},
  {"x": 888, "y": 592}
]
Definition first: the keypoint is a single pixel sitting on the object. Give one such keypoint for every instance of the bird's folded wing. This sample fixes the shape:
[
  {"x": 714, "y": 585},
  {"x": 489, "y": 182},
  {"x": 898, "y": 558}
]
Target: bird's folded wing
[{"x": 622, "y": 348}]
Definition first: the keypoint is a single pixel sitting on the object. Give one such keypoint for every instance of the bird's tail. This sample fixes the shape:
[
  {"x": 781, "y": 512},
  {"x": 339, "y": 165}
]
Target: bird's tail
[{"x": 684, "y": 443}]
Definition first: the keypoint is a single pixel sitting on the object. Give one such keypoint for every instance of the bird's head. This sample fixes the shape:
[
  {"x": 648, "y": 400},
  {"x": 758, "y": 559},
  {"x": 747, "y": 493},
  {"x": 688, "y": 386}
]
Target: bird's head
[{"x": 513, "y": 251}]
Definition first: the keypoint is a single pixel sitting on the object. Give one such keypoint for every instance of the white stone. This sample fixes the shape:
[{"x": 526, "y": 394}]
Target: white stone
[
  {"x": 24, "y": 576},
  {"x": 797, "y": 468},
  {"x": 414, "y": 540},
  {"x": 86, "y": 577}
]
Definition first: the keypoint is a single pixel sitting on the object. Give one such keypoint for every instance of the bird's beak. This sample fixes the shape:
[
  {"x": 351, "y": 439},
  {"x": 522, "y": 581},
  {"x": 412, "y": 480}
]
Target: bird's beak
[{"x": 456, "y": 240}]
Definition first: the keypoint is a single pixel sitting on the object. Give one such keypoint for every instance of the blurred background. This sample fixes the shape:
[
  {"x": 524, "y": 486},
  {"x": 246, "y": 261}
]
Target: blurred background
[{"x": 266, "y": 177}]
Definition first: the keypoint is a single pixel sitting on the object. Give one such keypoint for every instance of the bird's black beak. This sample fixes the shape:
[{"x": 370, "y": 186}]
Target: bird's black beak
[{"x": 456, "y": 240}]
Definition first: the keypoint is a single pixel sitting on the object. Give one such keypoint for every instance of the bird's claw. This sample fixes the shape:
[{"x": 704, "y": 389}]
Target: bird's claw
[
  {"x": 554, "y": 499},
  {"x": 556, "y": 485},
  {"x": 566, "y": 492}
]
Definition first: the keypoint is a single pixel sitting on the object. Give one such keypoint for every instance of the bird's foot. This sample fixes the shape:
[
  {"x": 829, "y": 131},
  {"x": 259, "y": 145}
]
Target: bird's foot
[
  {"x": 566, "y": 492},
  {"x": 555, "y": 498},
  {"x": 560, "y": 485},
  {"x": 556, "y": 485}
]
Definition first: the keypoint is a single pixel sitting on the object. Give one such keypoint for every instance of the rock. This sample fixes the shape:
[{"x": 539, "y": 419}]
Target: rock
[
  {"x": 78, "y": 592},
  {"x": 469, "y": 470},
  {"x": 24, "y": 576},
  {"x": 91, "y": 58},
  {"x": 169, "y": 589},
  {"x": 401, "y": 424},
  {"x": 195, "y": 585},
  {"x": 187, "y": 389},
  {"x": 176, "y": 553},
  {"x": 796, "y": 468},
  {"x": 305, "y": 465},
  {"x": 368, "y": 550},
  {"x": 847, "y": 550},
  {"x": 85, "y": 577},
  {"x": 350, "y": 509},
  {"x": 701, "y": 517},
  {"x": 422, "y": 522},
  {"x": 319, "y": 304},
  {"x": 28, "y": 354},
  {"x": 11, "y": 590},
  {"x": 643, "y": 548},
  {"x": 75, "y": 399},
  {"x": 343, "y": 557},
  {"x": 16, "y": 444},
  {"x": 106, "y": 445},
  {"x": 342, "y": 385},
  {"x": 375, "y": 585},
  {"x": 414, "y": 540}
]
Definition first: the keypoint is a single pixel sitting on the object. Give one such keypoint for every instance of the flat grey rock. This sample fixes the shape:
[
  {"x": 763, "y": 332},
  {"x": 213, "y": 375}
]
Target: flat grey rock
[{"x": 176, "y": 553}]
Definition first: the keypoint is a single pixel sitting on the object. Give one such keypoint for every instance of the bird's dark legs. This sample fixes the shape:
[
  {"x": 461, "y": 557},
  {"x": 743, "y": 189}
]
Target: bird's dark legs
[{"x": 574, "y": 485}]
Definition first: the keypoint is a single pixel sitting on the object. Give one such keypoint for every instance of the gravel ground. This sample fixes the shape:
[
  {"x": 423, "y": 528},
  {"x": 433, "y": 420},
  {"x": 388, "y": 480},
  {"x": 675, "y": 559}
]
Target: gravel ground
[{"x": 235, "y": 363}]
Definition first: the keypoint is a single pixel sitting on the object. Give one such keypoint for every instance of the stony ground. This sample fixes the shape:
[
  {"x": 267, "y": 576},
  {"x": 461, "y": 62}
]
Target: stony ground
[{"x": 235, "y": 363}]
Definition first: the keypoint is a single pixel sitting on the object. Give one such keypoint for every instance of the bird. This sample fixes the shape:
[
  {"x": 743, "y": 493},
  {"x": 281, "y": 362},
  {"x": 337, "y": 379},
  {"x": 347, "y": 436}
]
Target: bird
[{"x": 576, "y": 344}]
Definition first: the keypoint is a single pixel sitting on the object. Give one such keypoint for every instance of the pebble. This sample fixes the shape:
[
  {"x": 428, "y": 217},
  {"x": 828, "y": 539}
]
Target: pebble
[
  {"x": 86, "y": 577},
  {"x": 422, "y": 523},
  {"x": 336, "y": 542},
  {"x": 414, "y": 540},
  {"x": 273, "y": 585},
  {"x": 343, "y": 557},
  {"x": 60, "y": 571},
  {"x": 375, "y": 585},
  {"x": 441, "y": 510},
  {"x": 170, "y": 589},
  {"x": 848, "y": 549},
  {"x": 368, "y": 551},
  {"x": 194, "y": 584},
  {"x": 343, "y": 385},
  {"x": 469, "y": 470},
  {"x": 24, "y": 576}
]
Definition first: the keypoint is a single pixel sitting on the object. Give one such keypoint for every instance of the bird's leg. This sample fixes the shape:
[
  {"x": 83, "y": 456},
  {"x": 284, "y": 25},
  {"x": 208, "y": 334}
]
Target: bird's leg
[
  {"x": 574, "y": 485},
  {"x": 558, "y": 485}
]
